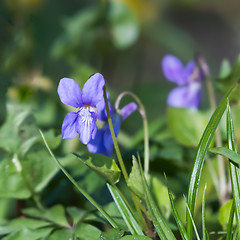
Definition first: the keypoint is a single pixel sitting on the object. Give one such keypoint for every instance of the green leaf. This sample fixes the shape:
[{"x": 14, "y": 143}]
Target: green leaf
[
  {"x": 18, "y": 224},
  {"x": 135, "y": 181},
  {"x": 29, "y": 234},
  {"x": 188, "y": 127},
  {"x": 6, "y": 206},
  {"x": 181, "y": 227},
  {"x": 76, "y": 214},
  {"x": 116, "y": 215},
  {"x": 159, "y": 222},
  {"x": 230, "y": 78},
  {"x": 11, "y": 182},
  {"x": 87, "y": 232},
  {"x": 27, "y": 145},
  {"x": 105, "y": 167},
  {"x": 225, "y": 68},
  {"x": 24, "y": 170},
  {"x": 130, "y": 237},
  {"x": 21, "y": 176},
  {"x": 230, "y": 224},
  {"x": 224, "y": 214},
  {"x": 128, "y": 217},
  {"x": 112, "y": 234},
  {"x": 124, "y": 25},
  {"x": 52, "y": 140},
  {"x": 39, "y": 169},
  {"x": 19, "y": 126},
  {"x": 61, "y": 234},
  {"x": 226, "y": 152},
  {"x": 160, "y": 193},
  {"x": 55, "y": 214},
  {"x": 234, "y": 171},
  {"x": 200, "y": 157}
]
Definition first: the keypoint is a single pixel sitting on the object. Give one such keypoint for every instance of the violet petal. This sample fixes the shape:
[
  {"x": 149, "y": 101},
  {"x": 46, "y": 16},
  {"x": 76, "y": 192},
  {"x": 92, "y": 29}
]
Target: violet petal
[
  {"x": 128, "y": 109},
  {"x": 69, "y": 126},
  {"x": 86, "y": 125},
  {"x": 92, "y": 91},
  {"x": 107, "y": 137},
  {"x": 173, "y": 69},
  {"x": 103, "y": 143},
  {"x": 101, "y": 109},
  {"x": 185, "y": 97},
  {"x": 96, "y": 145},
  {"x": 189, "y": 71},
  {"x": 69, "y": 92}
]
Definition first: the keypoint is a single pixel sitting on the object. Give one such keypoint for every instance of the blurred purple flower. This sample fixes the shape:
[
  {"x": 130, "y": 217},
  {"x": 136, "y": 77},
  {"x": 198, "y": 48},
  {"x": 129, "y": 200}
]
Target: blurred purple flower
[
  {"x": 82, "y": 122},
  {"x": 189, "y": 81},
  {"x": 103, "y": 143}
]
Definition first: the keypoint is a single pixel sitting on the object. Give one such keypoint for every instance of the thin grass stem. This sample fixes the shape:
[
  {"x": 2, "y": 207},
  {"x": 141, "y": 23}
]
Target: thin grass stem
[
  {"x": 143, "y": 114},
  {"x": 80, "y": 189}
]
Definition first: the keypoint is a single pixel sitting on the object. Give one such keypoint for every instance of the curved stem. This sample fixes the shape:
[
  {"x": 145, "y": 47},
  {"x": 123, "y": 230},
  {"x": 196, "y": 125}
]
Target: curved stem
[
  {"x": 80, "y": 189},
  {"x": 119, "y": 156},
  {"x": 142, "y": 112}
]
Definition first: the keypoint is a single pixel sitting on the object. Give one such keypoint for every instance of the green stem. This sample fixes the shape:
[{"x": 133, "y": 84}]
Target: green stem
[
  {"x": 138, "y": 206},
  {"x": 119, "y": 156},
  {"x": 142, "y": 112},
  {"x": 221, "y": 163},
  {"x": 80, "y": 189}
]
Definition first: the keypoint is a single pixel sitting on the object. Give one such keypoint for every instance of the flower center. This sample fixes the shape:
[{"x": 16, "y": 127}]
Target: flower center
[
  {"x": 85, "y": 112},
  {"x": 87, "y": 105}
]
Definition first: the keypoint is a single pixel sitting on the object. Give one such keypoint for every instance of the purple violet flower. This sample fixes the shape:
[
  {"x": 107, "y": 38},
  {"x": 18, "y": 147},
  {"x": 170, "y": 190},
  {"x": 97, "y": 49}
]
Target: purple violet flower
[
  {"x": 189, "y": 81},
  {"x": 82, "y": 122},
  {"x": 103, "y": 143}
]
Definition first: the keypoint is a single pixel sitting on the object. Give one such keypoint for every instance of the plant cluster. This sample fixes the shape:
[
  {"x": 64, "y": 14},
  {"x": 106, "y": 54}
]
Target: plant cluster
[{"x": 142, "y": 206}]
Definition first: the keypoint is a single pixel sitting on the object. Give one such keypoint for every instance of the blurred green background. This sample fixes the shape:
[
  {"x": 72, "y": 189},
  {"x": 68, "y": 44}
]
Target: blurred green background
[{"x": 42, "y": 41}]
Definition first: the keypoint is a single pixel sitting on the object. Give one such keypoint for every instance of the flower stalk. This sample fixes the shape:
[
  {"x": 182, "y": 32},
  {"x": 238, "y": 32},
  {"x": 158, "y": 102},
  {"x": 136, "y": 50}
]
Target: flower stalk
[
  {"x": 143, "y": 114},
  {"x": 120, "y": 159},
  {"x": 119, "y": 156}
]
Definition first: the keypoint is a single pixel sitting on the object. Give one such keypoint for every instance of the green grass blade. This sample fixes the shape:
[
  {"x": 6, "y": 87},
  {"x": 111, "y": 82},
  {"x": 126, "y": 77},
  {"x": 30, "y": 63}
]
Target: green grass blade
[
  {"x": 234, "y": 171},
  {"x": 181, "y": 227},
  {"x": 205, "y": 234},
  {"x": 235, "y": 235},
  {"x": 160, "y": 224},
  {"x": 194, "y": 226},
  {"x": 226, "y": 152},
  {"x": 230, "y": 223},
  {"x": 128, "y": 217},
  {"x": 79, "y": 188},
  {"x": 200, "y": 157}
]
